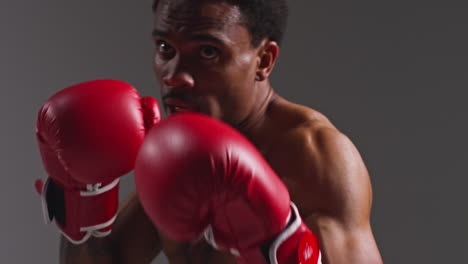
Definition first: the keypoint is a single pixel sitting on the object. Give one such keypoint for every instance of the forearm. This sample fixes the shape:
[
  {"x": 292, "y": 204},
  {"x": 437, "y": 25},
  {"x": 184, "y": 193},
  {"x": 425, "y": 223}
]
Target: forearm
[
  {"x": 196, "y": 252},
  {"x": 95, "y": 250}
]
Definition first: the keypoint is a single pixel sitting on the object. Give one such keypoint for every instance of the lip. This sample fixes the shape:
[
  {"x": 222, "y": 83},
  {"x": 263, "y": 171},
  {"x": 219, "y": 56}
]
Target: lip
[{"x": 175, "y": 105}]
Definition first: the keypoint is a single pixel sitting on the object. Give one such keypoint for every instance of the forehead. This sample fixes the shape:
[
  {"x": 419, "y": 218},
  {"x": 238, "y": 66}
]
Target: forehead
[{"x": 189, "y": 15}]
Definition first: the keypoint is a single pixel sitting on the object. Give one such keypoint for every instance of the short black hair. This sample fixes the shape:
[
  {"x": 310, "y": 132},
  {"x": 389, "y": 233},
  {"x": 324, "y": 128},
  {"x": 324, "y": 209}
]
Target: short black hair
[{"x": 265, "y": 19}]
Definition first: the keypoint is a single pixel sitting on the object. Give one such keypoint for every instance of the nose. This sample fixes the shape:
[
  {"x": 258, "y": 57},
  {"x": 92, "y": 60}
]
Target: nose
[
  {"x": 179, "y": 79},
  {"x": 176, "y": 75}
]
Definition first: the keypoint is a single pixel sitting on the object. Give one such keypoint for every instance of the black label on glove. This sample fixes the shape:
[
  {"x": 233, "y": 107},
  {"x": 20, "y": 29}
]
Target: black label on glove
[{"x": 56, "y": 203}]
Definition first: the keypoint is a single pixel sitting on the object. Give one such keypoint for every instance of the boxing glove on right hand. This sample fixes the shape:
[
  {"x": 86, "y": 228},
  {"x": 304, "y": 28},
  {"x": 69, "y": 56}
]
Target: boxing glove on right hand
[
  {"x": 195, "y": 175},
  {"x": 89, "y": 135}
]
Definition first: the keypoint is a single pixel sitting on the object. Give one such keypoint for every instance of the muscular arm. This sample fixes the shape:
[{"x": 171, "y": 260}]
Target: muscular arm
[
  {"x": 340, "y": 214},
  {"x": 133, "y": 240}
]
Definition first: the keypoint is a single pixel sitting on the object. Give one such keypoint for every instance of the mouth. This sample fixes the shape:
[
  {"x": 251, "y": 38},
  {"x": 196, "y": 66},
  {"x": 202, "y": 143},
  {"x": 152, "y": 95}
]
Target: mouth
[{"x": 179, "y": 106}]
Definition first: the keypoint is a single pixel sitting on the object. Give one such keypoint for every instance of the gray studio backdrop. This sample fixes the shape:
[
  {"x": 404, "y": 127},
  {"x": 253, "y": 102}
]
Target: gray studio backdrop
[{"x": 391, "y": 74}]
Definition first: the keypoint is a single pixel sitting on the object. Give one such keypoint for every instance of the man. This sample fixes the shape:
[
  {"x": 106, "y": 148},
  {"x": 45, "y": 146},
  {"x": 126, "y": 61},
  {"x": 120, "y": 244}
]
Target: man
[{"x": 215, "y": 57}]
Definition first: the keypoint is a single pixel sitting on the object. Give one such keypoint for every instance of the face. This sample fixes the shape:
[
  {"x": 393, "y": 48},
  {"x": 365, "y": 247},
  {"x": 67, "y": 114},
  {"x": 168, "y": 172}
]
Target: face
[{"x": 204, "y": 59}]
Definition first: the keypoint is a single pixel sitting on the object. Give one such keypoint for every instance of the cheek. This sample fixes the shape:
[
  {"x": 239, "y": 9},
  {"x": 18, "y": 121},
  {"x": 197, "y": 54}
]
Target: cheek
[
  {"x": 245, "y": 66},
  {"x": 244, "y": 59},
  {"x": 239, "y": 68},
  {"x": 241, "y": 76}
]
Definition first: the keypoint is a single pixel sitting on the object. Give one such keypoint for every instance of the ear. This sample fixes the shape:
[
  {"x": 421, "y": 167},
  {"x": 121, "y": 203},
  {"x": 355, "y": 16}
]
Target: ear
[{"x": 268, "y": 52}]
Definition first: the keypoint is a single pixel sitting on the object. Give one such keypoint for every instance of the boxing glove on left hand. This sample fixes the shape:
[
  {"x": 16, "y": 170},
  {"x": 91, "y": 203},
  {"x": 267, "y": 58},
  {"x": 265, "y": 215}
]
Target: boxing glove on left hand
[{"x": 89, "y": 135}]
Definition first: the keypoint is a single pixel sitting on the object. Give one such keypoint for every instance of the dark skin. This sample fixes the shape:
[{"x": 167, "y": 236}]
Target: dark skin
[{"x": 205, "y": 62}]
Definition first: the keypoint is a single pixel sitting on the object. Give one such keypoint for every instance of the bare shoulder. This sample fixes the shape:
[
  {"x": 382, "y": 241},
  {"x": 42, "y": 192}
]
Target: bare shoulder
[
  {"x": 321, "y": 166},
  {"x": 304, "y": 129}
]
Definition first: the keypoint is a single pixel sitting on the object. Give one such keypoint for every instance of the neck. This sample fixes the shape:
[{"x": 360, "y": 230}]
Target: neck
[{"x": 254, "y": 120}]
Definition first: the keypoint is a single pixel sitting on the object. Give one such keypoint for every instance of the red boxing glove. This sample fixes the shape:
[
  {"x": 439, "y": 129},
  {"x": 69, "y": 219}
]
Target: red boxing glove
[
  {"x": 89, "y": 135},
  {"x": 195, "y": 175}
]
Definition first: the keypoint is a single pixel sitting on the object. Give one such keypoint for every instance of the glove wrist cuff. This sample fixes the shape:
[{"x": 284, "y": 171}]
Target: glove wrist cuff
[
  {"x": 79, "y": 213},
  {"x": 295, "y": 244}
]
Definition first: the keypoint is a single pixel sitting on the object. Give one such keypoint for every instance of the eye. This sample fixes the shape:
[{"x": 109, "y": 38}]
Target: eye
[
  {"x": 209, "y": 52},
  {"x": 163, "y": 47}
]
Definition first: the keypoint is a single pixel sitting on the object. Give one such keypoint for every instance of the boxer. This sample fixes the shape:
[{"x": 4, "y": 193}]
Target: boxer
[{"x": 215, "y": 57}]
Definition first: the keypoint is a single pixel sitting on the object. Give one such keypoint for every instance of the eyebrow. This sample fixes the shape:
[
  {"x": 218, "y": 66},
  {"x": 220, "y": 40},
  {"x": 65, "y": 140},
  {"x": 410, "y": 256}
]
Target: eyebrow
[
  {"x": 194, "y": 37},
  {"x": 159, "y": 33}
]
